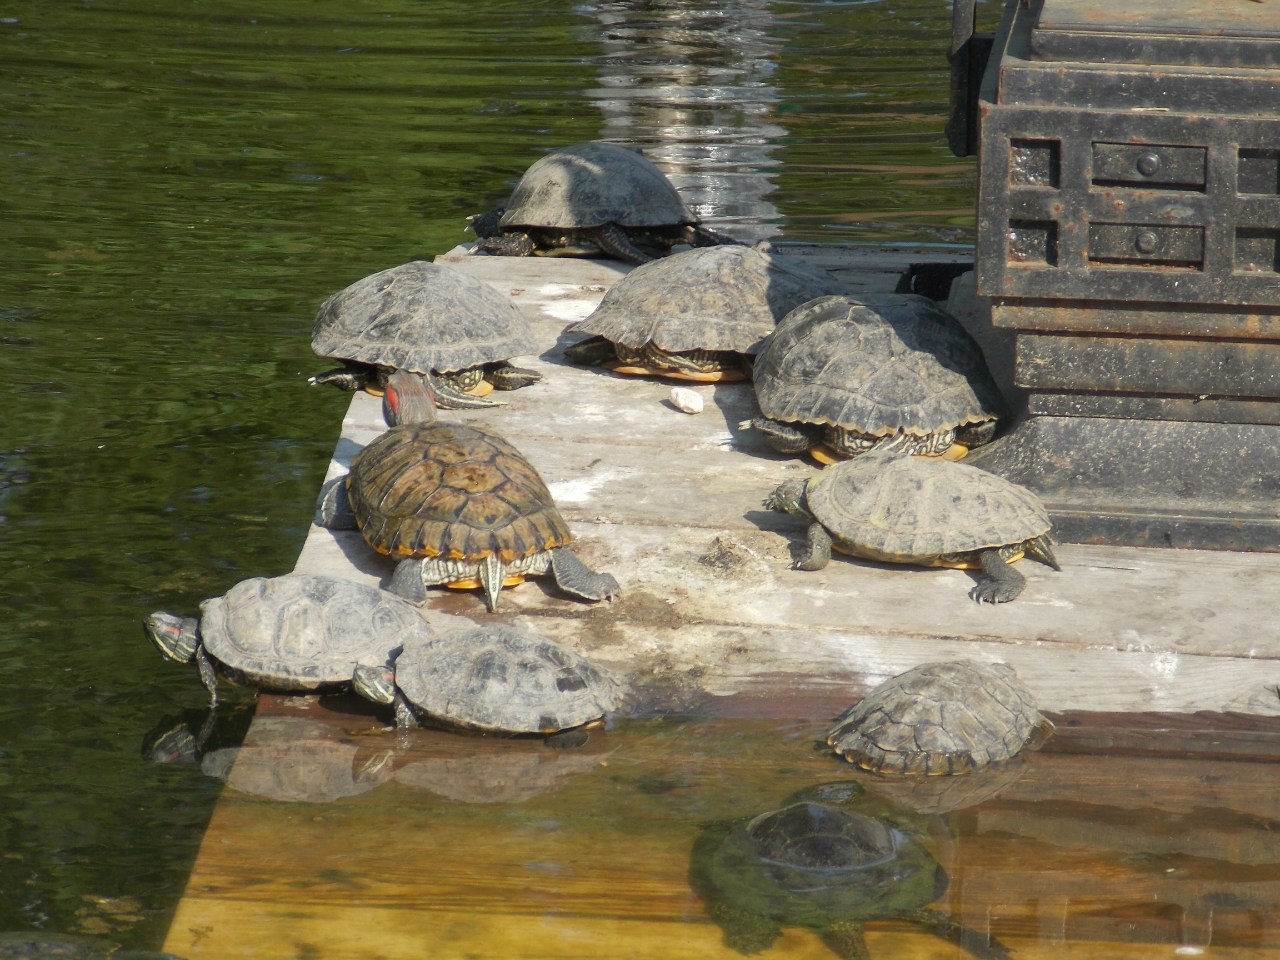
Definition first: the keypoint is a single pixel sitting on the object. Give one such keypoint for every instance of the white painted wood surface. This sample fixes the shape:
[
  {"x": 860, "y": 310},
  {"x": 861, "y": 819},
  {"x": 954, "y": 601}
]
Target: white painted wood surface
[{"x": 670, "y": 503}]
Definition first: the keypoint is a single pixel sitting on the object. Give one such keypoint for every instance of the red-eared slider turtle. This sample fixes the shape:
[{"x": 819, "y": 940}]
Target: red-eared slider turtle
[
  {"x": 494, "y": 679},
  {"x": 429, "y": 319},
  {"x": 294, "y": 632},
  {"x": 841, "y": 375},
  {"x": 592, "y": 199},
  {"x": 454, "y": 505},
  {"x": 935, "y": 513},
  {"x": 39, "y": 945},
  {"x": 825, "y": 868},
  {"x": 696, "y": 315},
  {"x": 941, "y": 718}
]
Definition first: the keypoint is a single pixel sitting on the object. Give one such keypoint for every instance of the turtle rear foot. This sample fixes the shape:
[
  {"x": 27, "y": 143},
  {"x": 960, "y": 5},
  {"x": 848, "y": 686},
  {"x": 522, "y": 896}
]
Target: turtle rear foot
[
  {"x": 574, "y": 576},
  {"x": 999, "y": 582}
]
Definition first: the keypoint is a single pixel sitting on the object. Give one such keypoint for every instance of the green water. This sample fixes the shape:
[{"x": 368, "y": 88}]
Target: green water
[{"x": 184, "y": 182}]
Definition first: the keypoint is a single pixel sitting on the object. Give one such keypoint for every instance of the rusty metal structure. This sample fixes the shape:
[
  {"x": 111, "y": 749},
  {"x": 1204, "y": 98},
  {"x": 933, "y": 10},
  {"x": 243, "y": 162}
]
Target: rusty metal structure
[{"x": 1129, "y": 234}]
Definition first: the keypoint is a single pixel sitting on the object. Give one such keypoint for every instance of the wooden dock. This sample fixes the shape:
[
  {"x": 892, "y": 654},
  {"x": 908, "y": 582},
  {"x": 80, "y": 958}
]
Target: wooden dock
[{"x": 1098, "y": 846}]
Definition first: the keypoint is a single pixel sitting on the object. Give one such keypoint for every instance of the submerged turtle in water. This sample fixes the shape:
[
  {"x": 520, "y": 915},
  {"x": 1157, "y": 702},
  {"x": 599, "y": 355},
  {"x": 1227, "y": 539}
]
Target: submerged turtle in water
[
  {"x": 455, "y": 505},
  {"x": 842, "y": 375},
  {"x": 494, "y": 679},
  {"x": 935, "y": 513},
  {"x": 297, "y": 632},
  {"x": 592, "y": 199},
  {"x": 696, "y": 315},
  {"x": 824, "y": 867},
  {"x": 38, "y": 945},
  {"x": 941, "y": 718},
  {"x": 428, "y": 319}
]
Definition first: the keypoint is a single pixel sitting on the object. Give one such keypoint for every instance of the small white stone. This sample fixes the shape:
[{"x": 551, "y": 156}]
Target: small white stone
[{"x": 690, "y": 401}]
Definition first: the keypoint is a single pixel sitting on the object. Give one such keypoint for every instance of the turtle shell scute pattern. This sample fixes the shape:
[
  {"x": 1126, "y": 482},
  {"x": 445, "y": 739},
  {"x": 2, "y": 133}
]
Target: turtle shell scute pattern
[
  {"x": 422, "y": 317},
  {"x": 914, "y": 509},
  {"x": 454, "y": 492},
  {"x": 300, "y": 631},
  {"x": 876, "y": 365},
  {"x": 591, "y": 184},
  {"x": 501, "y": 679},
  {"x": 940, "y": 718},
  {"x": 708, "y": 298}
]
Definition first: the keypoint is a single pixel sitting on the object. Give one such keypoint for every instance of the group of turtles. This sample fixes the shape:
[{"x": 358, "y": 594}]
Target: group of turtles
[{"x": 886, "y": 390}]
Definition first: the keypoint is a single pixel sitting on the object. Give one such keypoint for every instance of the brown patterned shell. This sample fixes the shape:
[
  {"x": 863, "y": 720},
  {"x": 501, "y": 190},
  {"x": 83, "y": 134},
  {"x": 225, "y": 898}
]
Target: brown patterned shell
[
  {"x": 941, "y": 718},
  {"x": 452, "y": 491}
]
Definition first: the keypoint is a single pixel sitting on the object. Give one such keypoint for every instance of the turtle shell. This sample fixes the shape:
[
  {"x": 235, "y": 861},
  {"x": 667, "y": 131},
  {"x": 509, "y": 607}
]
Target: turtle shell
[
  {"x": 941, "y": 718},
  {"x": 500, "y": 679},
  {"x": 878, "y": 365},
  {"x": 301, "y": 631},
  {"x": 452, "y": 491},
  {"x": 905, "y": 509},
  {"x": 591, "y": 184},
  {"x": 422, "y": 317},
  {"x": 708, "y": 298}
]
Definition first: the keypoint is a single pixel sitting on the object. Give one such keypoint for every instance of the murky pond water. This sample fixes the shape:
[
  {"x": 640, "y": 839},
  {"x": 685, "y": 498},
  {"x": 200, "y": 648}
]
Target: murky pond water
[{"x": 185, "y": 183}]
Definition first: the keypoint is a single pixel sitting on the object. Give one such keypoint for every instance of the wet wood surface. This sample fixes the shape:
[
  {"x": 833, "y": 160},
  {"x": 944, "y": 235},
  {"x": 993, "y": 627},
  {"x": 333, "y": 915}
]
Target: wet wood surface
[
  {"x": 1131, "y": 835},
  {"x": 447, "y": 845}
]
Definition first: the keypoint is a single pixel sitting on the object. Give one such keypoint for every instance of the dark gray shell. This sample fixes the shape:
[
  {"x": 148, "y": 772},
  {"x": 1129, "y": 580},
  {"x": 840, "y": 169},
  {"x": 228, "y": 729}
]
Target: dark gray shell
[
  {"x": 905, "y": 509},
  {"x": 940, "y": 718},
  {"x": 499, "y": 679},
  {"x": 421, "y": 317},
  {"x": 590, "y": 184},
  {"x": 708, "y": 298},
  {"x": 299, "y": 632},
  {"x": 877, "y": 365}
]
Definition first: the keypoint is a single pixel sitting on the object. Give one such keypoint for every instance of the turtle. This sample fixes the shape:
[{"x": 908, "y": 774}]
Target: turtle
[
  {"x": 592, "y": 199},
  {"x": 948, "y": 717},
  {"x": 454, "y": 504},
  {"x": 430, "y": 319},
  {"x": 824, "y": 867},
  {"x": 841, "y": 375},
  {"x": 296, "y": 632},
  {"x": 696, "y": 315},
  {"x": 494, "y": 679},
  {"x": 896, "y": 508},
  {"x": 40, "y": 945}
]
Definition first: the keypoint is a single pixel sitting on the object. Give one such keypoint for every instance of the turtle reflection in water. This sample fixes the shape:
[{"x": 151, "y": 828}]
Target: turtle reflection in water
[
  {"x": 827, "y": 868},
  {"x": 39, "y": 945}
]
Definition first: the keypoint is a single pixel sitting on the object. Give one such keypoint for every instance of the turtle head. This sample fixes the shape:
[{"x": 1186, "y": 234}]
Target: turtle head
[
  {"x": 408, "y": 399},
  {"x": 374, "y": 683},
  {"x": 789, "y": 498},
  {"x": 175, "y": 637}
]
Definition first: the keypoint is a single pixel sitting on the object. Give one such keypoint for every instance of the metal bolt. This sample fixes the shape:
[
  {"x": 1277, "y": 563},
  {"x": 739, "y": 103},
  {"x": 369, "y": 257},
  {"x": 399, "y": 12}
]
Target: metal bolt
[
  {"x": 1146, "y": 242},
  {"x": 1149, "y": 164}
]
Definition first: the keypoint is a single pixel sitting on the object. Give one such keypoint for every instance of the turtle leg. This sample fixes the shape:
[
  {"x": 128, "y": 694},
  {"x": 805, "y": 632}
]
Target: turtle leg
[
  {"x": 493, "y": 572},
  {"x": 982, "y": 946},
  {"x": 697, "y": 235},
  {"x": 507, "y": 376},
  {"x": 333, "y": 506},
  {"x": 999, "y": 582},
  {"x": 407, "y": 581},
  {"x": 406, "y": 719},
  {"x": 486, "y": 225},
  {"x": 845, "y": 940},
  {"x": 574, "y": 576},
  {"x": 613, "y": 240},
  {"x": 818, "y": 554},
  {"x": 783, "y": 437},
  {"x": 591, "y": 352},
  {"x": 208, "y": 675},
  {"x": 448, "y": 397}
]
